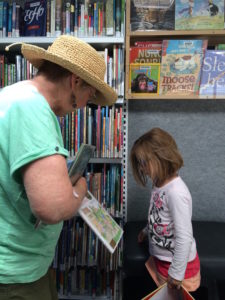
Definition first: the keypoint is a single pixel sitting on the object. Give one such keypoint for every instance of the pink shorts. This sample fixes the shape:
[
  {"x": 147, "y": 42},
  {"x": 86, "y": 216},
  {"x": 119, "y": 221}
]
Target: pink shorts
[{"x": 190, "y": 284}]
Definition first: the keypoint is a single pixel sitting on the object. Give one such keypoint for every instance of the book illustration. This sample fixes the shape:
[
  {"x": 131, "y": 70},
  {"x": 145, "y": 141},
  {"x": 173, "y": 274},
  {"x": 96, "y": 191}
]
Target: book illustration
[
  {"x": 35, "y": 18},
  {"x": 213, "y": 74},
  {"x": 77, "y": 166},
  {"x": 148, "y": 15},
  {"x": 146, "y": 52},
  {"x": 181, "y": 66},
  {"x": 144, "y": 78},
  {"x": 164, "y": 292},
  {"x": 199, "y": 14},
  {"x": 100, "y": 221},
  {"x": 220, "y": 47}
]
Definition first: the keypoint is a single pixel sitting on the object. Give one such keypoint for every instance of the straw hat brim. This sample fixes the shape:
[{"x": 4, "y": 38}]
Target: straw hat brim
[{"x": 105, "y": 95}]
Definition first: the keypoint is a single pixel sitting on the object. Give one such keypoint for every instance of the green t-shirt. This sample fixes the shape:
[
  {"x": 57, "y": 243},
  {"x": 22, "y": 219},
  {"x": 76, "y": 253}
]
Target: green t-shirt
[{"x": 29, "y": 130}]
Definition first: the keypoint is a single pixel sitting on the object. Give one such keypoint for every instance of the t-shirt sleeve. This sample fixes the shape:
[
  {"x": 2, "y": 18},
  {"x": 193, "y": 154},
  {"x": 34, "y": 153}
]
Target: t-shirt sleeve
[{"x": 34, "y": 132}]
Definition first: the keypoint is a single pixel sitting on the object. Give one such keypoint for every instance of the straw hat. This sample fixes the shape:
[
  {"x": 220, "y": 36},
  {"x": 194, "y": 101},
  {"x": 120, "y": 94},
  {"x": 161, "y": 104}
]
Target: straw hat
[{"x": 78, "y": 57}]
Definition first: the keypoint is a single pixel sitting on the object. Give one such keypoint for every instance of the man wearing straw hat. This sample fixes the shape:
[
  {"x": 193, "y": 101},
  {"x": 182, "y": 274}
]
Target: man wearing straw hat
[{"x": 33, "y": 172}]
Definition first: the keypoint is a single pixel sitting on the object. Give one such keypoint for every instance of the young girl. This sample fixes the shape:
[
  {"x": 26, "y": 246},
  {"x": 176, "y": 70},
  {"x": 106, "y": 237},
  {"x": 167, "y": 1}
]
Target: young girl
[{"x": 174, "y": 257}]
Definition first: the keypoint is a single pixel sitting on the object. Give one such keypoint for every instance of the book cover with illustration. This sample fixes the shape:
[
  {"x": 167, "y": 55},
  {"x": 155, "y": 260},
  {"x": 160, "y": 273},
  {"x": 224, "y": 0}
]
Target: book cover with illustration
[
  {"x": 163, "y": 292},
  {"x": 101, "y": 222},
  {"x": 213, "y": 74},
  {"x": 199, "y": 14},
  {"x": 181, "y": 66},
  {"x": 144, "y": 79},
  {"x": 151, "y": 15},
  {"x": 146, "y": 52}
]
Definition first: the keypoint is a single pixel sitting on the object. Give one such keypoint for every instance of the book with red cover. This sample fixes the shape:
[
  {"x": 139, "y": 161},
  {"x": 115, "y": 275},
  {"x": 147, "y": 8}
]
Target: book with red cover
[
  {"x": 164, "y": 292},
  {"x": 146, "y": 52}
]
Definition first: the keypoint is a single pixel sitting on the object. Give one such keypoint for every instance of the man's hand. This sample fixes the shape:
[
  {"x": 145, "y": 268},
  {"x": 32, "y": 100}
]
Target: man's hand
[{"x": 173, "y": 283}]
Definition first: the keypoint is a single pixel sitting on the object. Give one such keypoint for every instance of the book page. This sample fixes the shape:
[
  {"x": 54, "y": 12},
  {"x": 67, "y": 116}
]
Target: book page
[{"x": 100, "y": 221}]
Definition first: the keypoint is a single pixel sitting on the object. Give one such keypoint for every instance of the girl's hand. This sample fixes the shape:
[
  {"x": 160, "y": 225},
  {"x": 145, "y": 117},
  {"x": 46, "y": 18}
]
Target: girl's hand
[
  {"x": 141, "y": 236},
  {"x": 173, "y": 283}
]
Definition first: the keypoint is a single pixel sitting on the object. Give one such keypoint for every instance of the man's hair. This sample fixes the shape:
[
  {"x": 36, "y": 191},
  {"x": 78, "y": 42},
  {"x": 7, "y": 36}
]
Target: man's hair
[
  {"x": 52, "y": 71},
  {"x": 158, "y": 148}
]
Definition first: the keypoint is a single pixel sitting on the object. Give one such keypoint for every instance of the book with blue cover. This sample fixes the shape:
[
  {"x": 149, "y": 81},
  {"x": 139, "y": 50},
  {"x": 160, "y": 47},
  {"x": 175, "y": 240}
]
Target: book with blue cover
[
  {"x": 35, "y": 18},
  {"x": 213, "y": 74},
  {"x": 181, "y": 66},
  {"x": 199, "y": 14}
]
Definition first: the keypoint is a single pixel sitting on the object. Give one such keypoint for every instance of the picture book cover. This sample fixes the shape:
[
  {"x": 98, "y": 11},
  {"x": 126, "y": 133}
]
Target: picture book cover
[
  {"x": 213, "y": 74},
  {"x": 163, "y": 292},
  {"x": 100, "y": 221},
  {"x": 199, "y": 14},
  {"x": 144, "y": 78},
  {"x": 146, "y": 52},
  {"x": 77, "y": 166},
  {"x": 35, "y": 18},
  {"x": 151, "y": 15},
  {"x": 220, "y": 47},
  {"x": 181, "y": 66}
]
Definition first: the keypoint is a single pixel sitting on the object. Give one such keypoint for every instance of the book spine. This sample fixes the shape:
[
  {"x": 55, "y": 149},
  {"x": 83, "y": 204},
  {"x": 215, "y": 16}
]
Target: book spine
[
  {"x": 53, "y": 13},
  {"x": 58, "y": 19},
  {"x": 48, "y": 18}
]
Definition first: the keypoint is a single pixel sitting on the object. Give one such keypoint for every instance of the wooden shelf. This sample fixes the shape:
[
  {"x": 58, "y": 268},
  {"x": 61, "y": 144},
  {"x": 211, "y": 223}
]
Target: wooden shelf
[
  {"x": 171, "y": 33},
  {"x": 173, "y": 97}
]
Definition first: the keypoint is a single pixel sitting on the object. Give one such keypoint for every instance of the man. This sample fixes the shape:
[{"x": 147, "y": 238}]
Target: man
[{"x": 33, "y": 176}]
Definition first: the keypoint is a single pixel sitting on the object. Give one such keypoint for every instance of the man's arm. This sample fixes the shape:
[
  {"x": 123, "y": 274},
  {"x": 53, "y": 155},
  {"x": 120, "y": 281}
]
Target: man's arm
[{"x": 51, "y": 195}]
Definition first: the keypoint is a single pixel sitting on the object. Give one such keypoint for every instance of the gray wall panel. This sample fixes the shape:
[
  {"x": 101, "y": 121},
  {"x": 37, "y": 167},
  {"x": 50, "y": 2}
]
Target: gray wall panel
[{"x": 199, "y": 130}]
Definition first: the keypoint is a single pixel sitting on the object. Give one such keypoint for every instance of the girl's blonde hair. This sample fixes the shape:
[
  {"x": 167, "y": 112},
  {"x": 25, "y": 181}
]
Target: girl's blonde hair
[{"x": 159, "y": 148}]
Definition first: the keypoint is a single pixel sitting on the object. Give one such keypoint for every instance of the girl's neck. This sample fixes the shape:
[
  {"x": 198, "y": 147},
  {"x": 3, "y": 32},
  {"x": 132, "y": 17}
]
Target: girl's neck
[{"x": 167, "y": 180}]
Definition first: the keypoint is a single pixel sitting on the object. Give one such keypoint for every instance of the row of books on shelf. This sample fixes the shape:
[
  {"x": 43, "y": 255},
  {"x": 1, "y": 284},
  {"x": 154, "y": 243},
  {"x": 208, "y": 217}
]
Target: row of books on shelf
[
  {"x": 177, "y": 68},
  {"x": 176, "y": 14},
  {"x": 78, "y": 246},
  {"x": 90, "y": 283},
  {"x": 54, "y": 17},
  {"x": 18, "y": 68},
  {"x": 98, "y": 126}
]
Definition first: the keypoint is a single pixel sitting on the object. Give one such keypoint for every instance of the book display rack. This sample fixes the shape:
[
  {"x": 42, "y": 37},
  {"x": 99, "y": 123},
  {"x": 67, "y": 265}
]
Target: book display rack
[{"x": 148, "y": 24}]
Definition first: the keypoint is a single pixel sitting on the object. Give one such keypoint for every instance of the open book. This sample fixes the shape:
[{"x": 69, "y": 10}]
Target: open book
[
  {"x": 77, "y": 166},
  {"x": 163, "y": 292},
  {"x": 100, "y": 221}
]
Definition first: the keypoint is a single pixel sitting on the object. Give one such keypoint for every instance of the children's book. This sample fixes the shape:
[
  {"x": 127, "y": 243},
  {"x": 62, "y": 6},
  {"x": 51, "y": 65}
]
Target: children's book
[
  {"x": 77, "y": 166},
  {"x": 144, "y": 78},
  {"x": 146, "y": 52},
  {"x": 181, "y": 66},
  {"x": 101, "y": 222},
  {"x": 151, "y": 15},
  {"x": 220, "y": 47},
  {"x": 165, "y": 293},
  {"x": 199, "y": 14},
  {"x": 213, "y": 74}
]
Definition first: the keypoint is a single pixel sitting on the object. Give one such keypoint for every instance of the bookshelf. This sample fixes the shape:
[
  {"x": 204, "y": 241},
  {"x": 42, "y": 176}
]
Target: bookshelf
[
  {"x": 212, "y": 35},
  {"x": 113, "y": 164}
]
